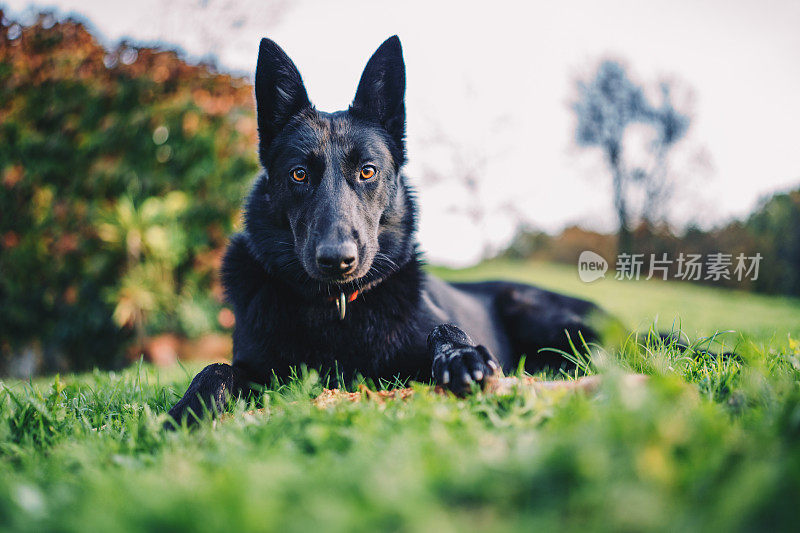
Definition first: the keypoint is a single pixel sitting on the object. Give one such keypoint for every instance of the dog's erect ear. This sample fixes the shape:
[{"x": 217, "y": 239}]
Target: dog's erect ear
[
  {"x": 280, "y": 93},
  {"x": 381, "y": 91}
]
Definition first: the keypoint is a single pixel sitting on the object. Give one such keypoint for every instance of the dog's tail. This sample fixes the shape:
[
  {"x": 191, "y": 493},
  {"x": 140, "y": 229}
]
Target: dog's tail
[{"x": 677, "y": 339}]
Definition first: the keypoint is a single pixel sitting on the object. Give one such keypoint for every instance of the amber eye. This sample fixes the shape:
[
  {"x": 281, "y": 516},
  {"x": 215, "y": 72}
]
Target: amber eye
[
  {"x": 299, "y": 175},
  {"x": 367, "y": 171}
]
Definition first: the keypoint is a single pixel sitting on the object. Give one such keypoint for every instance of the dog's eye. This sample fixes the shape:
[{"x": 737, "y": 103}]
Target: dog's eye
[
  {"x": 299, "y": 175},
  {"x": 367, "y": 171}
]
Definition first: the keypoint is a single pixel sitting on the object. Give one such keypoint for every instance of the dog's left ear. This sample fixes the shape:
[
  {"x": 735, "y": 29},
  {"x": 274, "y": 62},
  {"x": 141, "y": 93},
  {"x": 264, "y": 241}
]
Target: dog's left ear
[{"x": 380, "y": 96}]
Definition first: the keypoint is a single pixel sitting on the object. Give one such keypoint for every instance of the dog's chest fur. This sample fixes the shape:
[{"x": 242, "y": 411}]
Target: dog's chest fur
[{"x": 383, "y": 330}]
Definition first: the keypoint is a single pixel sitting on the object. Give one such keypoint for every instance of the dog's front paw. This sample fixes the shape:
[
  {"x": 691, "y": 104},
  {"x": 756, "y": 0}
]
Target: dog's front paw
[{"x": 457, "y": 364}]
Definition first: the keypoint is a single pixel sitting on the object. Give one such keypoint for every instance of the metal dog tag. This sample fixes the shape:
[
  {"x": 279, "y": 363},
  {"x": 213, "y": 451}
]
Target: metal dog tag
[{"x": 341, "y": 305}]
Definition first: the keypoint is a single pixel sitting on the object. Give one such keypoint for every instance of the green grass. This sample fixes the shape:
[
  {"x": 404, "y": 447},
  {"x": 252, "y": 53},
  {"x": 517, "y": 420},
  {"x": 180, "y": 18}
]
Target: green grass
[
  {"x": 707, "y": 445},
  {"x": 701, "y": 310}
]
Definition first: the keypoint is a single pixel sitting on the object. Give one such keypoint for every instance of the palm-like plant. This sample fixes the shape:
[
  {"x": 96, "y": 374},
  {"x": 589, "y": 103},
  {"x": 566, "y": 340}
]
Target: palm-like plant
[{"x": 154, "y": 244}]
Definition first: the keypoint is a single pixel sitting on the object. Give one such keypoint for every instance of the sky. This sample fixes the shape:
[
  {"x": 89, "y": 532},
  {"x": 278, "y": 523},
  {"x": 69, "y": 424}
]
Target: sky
[{"x": 490, "y": 86}]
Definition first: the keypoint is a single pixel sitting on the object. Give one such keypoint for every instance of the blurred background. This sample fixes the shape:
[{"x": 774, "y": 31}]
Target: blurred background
[{"x": 128, "y": 139}]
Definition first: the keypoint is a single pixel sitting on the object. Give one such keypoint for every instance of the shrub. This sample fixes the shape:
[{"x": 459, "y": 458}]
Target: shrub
[{"x": 121, "y": 174}]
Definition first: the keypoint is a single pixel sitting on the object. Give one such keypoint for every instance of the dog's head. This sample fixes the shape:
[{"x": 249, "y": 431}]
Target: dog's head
[{"x": 332, "y": 200}]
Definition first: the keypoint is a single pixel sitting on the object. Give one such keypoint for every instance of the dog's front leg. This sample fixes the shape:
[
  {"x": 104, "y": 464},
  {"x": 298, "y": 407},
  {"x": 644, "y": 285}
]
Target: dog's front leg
[
  {"x": 209, "y": 392},
  {"x": 457, "y": 361}
]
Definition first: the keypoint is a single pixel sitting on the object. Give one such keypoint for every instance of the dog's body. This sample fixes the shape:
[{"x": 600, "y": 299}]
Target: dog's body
[{"x": 327, "y": 274}]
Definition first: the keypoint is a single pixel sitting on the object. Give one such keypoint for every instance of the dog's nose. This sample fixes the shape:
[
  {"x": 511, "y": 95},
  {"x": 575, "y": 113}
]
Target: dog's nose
[{"x": 337, "y": 259}]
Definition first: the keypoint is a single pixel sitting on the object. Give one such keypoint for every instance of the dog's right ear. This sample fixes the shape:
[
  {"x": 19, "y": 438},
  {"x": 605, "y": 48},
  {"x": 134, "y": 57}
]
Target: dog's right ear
[{"x": 280, "y": 93}]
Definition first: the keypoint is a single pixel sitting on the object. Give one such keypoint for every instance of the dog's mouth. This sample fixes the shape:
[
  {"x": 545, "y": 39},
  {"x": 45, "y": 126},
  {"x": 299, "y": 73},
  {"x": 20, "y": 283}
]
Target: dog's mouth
[
  {"x": 339, "y": 273},
  {"x": 336, "y": 280},
  {"x": 342, "y": 278}
]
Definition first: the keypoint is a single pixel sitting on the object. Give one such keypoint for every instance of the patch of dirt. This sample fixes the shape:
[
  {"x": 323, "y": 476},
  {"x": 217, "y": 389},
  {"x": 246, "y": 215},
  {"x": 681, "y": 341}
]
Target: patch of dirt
[
  {"x": 499, "y": 385},
  {"x": 330, "y": 397}
]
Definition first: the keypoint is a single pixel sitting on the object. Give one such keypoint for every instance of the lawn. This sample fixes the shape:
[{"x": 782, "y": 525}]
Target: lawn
[
  {"x": 701, "y": 310},
  {"x": 706, "y": 445}
]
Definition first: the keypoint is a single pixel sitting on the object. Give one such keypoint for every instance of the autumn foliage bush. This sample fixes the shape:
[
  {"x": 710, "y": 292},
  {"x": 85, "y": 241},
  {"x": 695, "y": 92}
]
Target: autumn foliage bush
[{"x": 121, "y": 175}]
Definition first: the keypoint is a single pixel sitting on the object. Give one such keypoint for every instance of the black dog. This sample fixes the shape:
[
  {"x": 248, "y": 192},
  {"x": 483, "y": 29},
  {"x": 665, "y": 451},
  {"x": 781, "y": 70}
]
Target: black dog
[{"x": 327, "y": 274}]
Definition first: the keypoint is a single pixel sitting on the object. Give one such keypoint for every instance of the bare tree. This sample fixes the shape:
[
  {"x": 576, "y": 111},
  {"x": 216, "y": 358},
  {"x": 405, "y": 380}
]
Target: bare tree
[{"x": 607, "y": 107}]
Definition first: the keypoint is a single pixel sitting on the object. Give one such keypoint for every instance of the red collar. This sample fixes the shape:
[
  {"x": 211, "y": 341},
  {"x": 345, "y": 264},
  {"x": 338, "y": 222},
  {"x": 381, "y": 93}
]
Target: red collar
[
  {"x": 350, "y": 297},
  {"x": 342, "y": 301}
]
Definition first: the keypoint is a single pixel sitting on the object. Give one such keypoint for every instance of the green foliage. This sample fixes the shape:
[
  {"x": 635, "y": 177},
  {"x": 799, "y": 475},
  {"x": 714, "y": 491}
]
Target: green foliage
[
  {"x": 775, "y": 226},
  {"x": 704, "y": 445},
  {"x": 771, "y": 230},
  {"x": 122, "y": 173}
]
